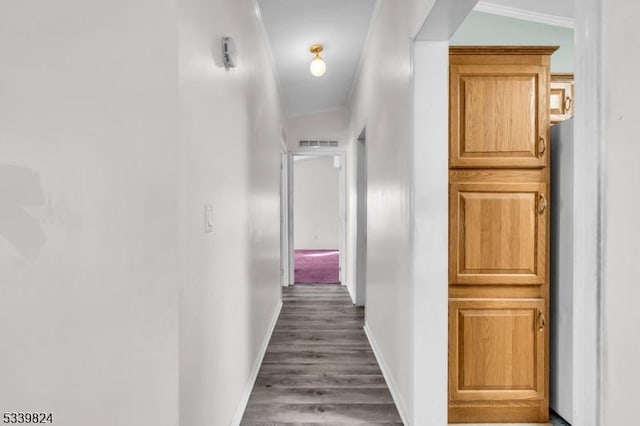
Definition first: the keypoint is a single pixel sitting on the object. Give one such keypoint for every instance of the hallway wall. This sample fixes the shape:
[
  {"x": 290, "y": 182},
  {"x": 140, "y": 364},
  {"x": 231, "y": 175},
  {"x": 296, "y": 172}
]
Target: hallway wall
[
  {"x": 325, "y": 125},
  {"x": 621, "y": 343},
  {"x": 230, "y": 156},
  {"x": 383, "y": 100},
  {"x": 118, "y": 122},
  {"x": 88, "y": 211}
]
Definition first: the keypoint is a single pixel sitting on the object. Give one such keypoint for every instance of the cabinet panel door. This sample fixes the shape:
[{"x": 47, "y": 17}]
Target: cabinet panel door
[
  {"x": 499, "y": 116},
  {"x": 561, "y": 97},
  {"x": 497, "y": 349},
  {"x": 498, "y": 233}
]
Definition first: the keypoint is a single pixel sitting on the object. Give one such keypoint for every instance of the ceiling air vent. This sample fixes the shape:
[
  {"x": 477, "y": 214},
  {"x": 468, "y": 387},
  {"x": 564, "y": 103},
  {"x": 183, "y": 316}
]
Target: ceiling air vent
[{"x": 318, "y": 144}]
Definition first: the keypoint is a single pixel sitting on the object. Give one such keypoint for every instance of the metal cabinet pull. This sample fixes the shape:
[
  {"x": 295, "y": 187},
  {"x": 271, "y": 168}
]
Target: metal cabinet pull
[
  {"x": 542, "y": 146},
  {"x": 567, "y": 104},
  {"x": 542, "y": 204},
  {"x": 542, "y": 321}
]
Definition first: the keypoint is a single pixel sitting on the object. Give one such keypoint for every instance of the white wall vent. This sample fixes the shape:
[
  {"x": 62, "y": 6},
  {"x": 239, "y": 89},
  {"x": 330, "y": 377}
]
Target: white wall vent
[{"x": 318, "y": 144}]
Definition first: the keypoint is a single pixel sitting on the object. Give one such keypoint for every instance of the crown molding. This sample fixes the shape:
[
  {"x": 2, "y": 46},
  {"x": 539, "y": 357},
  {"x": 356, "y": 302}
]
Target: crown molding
[
  {"x": 502, "y": 50},
  {"x": 270, "y": 56},
  {"x": 365, "y": 47},
  {"x": 526, "y": 15}
]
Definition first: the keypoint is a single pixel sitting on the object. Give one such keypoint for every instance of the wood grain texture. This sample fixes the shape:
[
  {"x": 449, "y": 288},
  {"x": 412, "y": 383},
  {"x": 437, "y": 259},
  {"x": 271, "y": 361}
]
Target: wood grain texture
[
  {"x": 499, "y": 233},
  {"x": 319, "y": 368},
  {"x": 499, "y": 175},
  {"x": 536, "y": 51},
  {"x": 496, "y": 349},
  {"x": 498, "y": 115}
]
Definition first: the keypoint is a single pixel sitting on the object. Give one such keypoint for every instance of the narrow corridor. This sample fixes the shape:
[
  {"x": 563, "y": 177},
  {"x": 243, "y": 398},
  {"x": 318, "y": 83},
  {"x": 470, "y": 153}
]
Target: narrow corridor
[{"x": 319, "y": 367}]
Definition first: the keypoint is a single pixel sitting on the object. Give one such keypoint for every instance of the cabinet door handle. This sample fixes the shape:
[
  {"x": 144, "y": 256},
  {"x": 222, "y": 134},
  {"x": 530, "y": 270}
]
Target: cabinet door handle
[
  {"x": 542, "y": 204},
  {"x": 542, "y": 321},
  {"x": 567, "y": 104},
  {"x": 542, "y": 146}
]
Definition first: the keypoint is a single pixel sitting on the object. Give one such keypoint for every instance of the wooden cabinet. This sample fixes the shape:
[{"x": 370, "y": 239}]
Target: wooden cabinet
[
  {"x": 499, "y": 115},
  {"x": 497, "y": 349},
  {"x": 561, "y": 97},
  {"x": 497, "y": 360},
  {"x": 499, "y": 234}
]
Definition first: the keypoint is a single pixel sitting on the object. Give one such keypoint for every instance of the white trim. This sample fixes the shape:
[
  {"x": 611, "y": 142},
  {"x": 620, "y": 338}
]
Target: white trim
[
  {"x": 525, "y": 15},
  {"x": 270, "y": 57},
  {"x": 321, "y": 152},
  {"x": 242, "y": 405},
  {"x": 290, "y": 217},
  {"x": 444, "y": 19},
  {"x": 430, "y": 230},
  {"x": 363, "y": 52},
  {"x": 422, "y": 19},
  {"x": 285, "y": 268},
  {"x": 360, "y": 244},
  {"x": 401, "y": 404},
  {"x": 589, "y": 216}
]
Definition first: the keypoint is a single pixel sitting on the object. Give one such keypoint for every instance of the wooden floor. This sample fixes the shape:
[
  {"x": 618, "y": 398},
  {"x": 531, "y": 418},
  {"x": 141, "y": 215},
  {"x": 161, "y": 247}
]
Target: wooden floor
[{"x": 319, "y": 368}]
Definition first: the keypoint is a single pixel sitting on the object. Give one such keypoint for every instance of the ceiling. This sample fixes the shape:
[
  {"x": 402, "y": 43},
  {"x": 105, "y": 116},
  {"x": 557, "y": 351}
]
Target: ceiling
[{"x": 293, "y": 26}]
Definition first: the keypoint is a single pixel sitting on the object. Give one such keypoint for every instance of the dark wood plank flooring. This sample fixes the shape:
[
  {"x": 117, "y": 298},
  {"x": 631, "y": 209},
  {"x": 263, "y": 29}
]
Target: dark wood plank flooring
[{"x": 319, "y": 368}]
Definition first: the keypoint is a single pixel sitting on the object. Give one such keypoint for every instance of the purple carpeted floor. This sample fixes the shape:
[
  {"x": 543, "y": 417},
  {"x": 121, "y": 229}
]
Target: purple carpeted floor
[{"x": 316, "y": 266}]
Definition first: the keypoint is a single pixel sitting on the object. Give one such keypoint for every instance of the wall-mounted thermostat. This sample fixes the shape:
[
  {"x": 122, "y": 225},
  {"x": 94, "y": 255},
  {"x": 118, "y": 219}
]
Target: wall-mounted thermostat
[{"x": 229, "y": 52}]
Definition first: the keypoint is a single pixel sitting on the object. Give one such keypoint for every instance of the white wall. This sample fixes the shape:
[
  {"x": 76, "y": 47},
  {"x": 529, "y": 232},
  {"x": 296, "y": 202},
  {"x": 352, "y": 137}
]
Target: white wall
[
  {"x": 486, "y": 29},
  {"x": 382, "y": 100},
  {"x": 326, "y": 125},
  {"x": 89, "y": 255},
  {"x": 230, "y": 146},
  {"x": 431, "y": 231},
  {"x": 116, "y": 308},
  {"x": 561, "y": 273},
  {"x": 316, "y": 203},
  {"x": 621, "y": 225}
]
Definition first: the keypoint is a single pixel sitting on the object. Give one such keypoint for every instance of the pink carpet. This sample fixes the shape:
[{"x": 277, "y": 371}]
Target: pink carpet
[{"x": 316, "y": 266}]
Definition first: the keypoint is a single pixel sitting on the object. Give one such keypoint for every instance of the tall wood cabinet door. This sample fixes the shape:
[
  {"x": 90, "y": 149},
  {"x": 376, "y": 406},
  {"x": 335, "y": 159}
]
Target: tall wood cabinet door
[
  {"x": 497, "y": 349},
  {"x": 498, "y": 233},
  {"x": 499, "y": 116}
]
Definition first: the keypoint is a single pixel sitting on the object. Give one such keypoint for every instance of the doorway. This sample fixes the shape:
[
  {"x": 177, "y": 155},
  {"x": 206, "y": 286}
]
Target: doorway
[{"x": 317, "y": 217}]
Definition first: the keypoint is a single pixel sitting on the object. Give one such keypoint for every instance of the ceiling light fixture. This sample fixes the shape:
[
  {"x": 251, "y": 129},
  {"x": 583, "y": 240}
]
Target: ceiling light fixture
[{"x": 317, "y": 67}]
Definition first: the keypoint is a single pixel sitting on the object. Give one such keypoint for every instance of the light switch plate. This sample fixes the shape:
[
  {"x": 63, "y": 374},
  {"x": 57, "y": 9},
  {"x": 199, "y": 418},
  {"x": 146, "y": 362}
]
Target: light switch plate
[{"x": 208, "y": 218}]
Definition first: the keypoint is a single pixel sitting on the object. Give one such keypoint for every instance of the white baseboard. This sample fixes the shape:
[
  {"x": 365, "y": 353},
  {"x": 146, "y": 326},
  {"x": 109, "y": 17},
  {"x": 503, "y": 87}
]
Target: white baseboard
[
  {"x": 401, "y": 405},
  {"x": 242, "y": 405}
]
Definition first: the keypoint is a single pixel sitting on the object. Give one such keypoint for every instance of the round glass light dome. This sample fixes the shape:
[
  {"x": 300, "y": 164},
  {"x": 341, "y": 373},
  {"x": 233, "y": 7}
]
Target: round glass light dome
[{"x": 318, "y": 67}]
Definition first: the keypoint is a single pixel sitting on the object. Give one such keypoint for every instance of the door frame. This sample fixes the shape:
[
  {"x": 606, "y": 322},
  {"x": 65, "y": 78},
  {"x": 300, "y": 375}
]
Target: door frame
[
  {"x": 360, "y": 263},
  {"x": 430, "y": 211},
  {"x": 285, "y": 267},
  {"x": 342, "y": 203}
]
